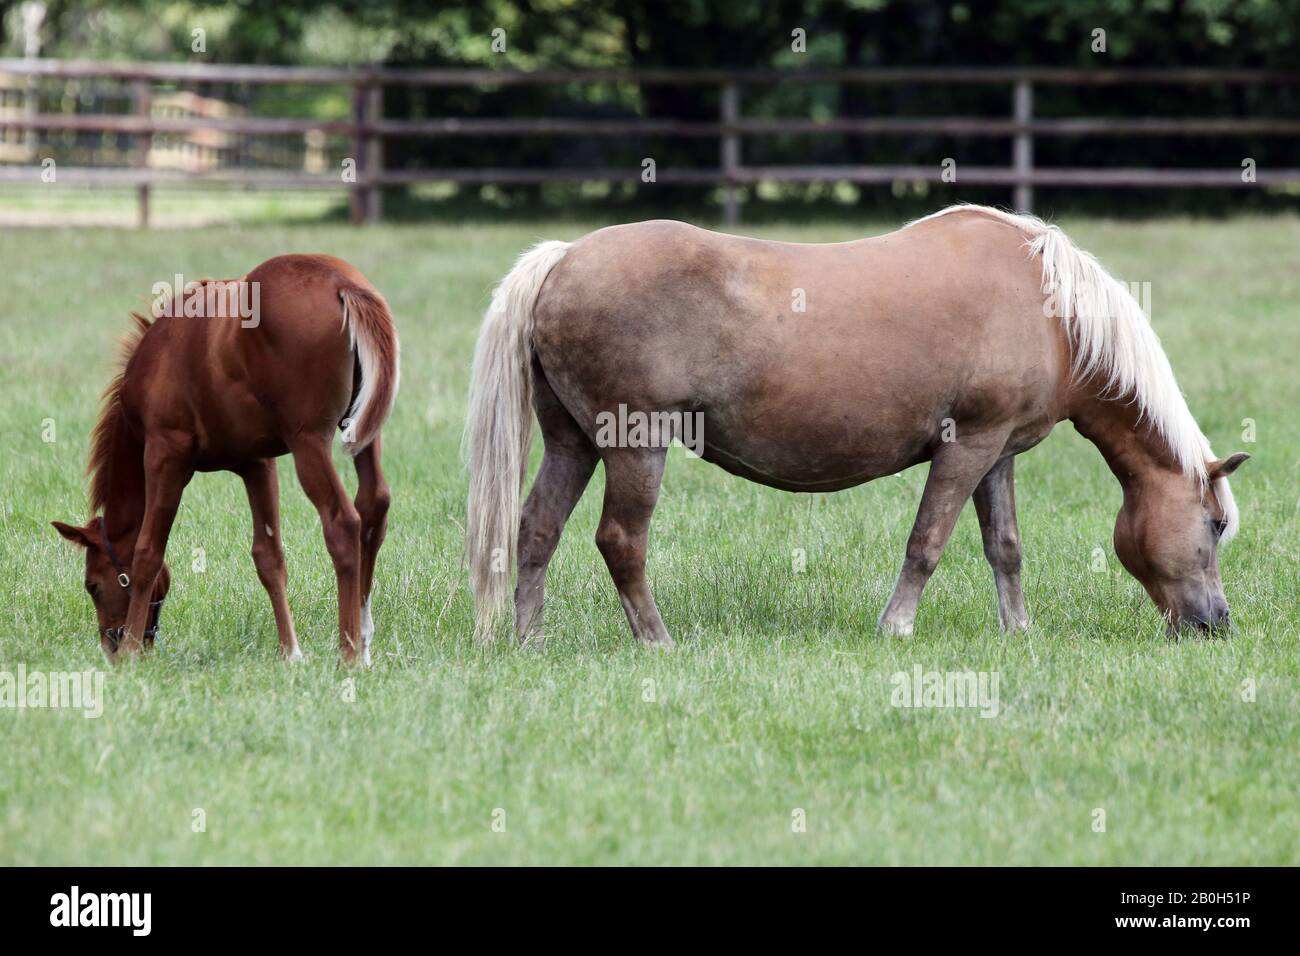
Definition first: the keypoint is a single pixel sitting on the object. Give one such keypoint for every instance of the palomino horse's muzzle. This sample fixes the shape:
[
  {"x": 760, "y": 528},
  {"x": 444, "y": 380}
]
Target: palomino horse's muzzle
[{"x": 1216, "y": 620}]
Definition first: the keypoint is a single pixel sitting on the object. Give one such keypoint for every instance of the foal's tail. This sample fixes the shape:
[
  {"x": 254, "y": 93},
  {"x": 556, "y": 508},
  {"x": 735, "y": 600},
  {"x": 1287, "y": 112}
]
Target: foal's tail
[
  {"x": 499, "y": 432},
  {"x": 374, "y": 339}
]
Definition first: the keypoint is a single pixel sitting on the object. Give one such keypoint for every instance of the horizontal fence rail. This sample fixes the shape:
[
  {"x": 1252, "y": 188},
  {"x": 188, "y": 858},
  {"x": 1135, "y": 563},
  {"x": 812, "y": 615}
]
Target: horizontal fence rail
[{"x": 367, "y": 130}]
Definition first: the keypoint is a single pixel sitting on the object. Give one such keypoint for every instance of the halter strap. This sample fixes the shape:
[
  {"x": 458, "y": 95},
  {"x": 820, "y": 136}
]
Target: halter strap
[{"x": 123, "y": 578}]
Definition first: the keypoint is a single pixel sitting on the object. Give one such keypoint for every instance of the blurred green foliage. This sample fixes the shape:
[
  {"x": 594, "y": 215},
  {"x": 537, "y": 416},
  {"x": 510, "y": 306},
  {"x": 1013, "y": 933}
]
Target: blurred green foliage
[{"x": 734, "y": 33}]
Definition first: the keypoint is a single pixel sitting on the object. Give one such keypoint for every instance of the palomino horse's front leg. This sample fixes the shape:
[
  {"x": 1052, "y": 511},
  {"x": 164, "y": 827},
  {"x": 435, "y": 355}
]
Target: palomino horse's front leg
[
  {"x": 632, "y": 477},
  {"x": 268, "y": 551},
  {"x": 342, "y": 527},
  {"x": 995, "y": 503},
  {"x": 955, "y": 471},
  {"x": 166, "y": 476},
  {"x": 372, "y": 501}
]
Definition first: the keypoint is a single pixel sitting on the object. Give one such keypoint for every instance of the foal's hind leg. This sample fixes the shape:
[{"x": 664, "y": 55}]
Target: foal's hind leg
[
  {"x": 372, "y": 501},
  {"x": 263, "y": 489},
  {"x": 566, "y": 468},
  {"x": 632, "y": 478},
  {"x": 956, "y": 469},
  {"x": 995, "y": 503},
  {"x": 342, "y": 527}
]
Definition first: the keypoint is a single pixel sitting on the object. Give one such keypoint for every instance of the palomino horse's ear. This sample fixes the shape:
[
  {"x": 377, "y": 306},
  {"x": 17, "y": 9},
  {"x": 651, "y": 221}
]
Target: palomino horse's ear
[
  {"x": 1225, "y": 466},
  {"x": 74, "y": 534}
]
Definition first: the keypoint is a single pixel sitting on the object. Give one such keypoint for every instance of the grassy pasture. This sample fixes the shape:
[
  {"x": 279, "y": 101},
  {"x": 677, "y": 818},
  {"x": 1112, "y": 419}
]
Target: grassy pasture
[{"x": 778, "y": 698}]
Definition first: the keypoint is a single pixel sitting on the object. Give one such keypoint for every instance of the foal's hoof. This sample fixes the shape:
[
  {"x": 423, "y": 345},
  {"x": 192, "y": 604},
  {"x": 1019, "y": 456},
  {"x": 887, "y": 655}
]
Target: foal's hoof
[{"x": 294, "y": 656}]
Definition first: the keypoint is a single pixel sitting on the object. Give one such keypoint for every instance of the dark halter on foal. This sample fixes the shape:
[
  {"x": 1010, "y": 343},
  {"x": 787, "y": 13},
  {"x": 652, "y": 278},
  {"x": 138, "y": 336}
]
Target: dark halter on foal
[{"x": 115, "y": 633}]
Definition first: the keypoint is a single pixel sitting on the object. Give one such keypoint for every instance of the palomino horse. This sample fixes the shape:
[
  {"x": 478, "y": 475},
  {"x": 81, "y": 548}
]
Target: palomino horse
[
  {"x": 215, "y": 385},
  {"x": 933, "y": 343}
]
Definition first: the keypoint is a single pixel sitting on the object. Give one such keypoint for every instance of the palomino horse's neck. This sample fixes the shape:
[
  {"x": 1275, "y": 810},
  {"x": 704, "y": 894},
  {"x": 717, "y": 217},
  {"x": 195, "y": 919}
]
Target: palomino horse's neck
[
  {"x": 1130, "y": 444},
  {"x": 117, "y": 490}
]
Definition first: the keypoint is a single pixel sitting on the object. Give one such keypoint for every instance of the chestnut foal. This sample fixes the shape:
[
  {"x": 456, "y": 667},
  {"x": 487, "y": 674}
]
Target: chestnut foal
[
  {"x": 960, "y": 340},
  {"x": 233, "y": 375}
]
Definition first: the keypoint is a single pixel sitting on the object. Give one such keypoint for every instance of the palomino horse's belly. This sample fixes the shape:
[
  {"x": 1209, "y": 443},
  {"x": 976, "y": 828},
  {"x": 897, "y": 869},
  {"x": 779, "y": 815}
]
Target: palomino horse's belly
[
  {"x": 807, "y": 456},
  {"x": 837, "y": 475}
]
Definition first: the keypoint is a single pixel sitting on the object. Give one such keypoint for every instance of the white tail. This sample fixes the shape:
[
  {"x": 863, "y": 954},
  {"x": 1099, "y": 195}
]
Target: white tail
[
  {"x": 499, "y": 432},
  {"x": 374, "y": 339}
]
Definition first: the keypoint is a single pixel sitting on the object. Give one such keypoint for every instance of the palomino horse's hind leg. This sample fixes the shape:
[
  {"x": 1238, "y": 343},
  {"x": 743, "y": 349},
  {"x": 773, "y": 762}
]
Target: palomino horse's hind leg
[
  {"x": 632, "y": 478},
  {"x": 955, "y": 471},
  {"x": 342, "y": 527},
  {"x": 372, "y": 501},
  {"x": 567, "y": 464},
  {"x": 556, "y": 490},
  {"x": 995, "y": 503},
  {"x": 263, "y": 487}
]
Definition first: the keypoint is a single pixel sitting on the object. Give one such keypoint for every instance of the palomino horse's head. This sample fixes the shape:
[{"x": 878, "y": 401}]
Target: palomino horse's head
[
  {"x": 108, "y": 583},
  {"x": 1167, "y": 535}
]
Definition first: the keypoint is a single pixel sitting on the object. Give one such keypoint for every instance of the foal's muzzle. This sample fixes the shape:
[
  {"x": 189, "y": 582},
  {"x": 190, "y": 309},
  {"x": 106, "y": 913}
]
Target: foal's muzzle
[{"x": 114, "y": 634}]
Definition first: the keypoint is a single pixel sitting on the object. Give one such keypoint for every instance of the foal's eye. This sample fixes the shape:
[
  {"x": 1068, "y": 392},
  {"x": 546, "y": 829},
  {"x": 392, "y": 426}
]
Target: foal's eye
[{"x": 90, "y": 588}]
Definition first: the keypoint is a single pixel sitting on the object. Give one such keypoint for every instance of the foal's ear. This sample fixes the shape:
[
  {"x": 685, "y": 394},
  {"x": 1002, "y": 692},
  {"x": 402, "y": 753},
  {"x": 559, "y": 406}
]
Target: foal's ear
[
  {"x": 1225, "y": 466},
  {"x": 74, "y": 534}
]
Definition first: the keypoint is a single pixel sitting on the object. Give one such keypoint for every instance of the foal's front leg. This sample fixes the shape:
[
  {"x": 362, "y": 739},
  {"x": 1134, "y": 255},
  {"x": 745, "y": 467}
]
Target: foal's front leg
[
  {"x": 955, "y": 471},
  {"x": 166, "y": 475},
  {"x": 995, "y": 503},
  {"x": 262, "y": 484}
]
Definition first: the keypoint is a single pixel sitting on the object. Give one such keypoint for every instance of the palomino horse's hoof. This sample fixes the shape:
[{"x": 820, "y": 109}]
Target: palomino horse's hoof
[{"x": 896, "y": 628}]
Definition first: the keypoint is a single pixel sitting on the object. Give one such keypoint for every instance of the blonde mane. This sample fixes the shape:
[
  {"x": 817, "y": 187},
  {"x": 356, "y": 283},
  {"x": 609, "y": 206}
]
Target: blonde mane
[{"x": 1113, "y": 343}]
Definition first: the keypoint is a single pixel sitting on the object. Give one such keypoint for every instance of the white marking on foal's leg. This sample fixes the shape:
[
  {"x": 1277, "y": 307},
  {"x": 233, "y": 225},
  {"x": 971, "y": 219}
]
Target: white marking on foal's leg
[{"x": 367, "y": 632}]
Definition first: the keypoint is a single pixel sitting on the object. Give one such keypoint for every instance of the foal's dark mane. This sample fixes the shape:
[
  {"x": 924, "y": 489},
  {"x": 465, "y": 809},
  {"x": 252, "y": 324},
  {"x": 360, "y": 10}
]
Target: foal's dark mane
[{"x": 104, "y": 439}]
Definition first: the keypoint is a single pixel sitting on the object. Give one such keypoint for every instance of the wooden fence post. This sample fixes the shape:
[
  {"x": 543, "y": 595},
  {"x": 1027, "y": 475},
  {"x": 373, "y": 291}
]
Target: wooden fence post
[
  {"x": 729, "y": 112},
  {"x": 1023, "y": 146},
  {"x": 374, "y": 154},
  {"x": 357, "y": 198},
  {"x": 142, "y": 100}
]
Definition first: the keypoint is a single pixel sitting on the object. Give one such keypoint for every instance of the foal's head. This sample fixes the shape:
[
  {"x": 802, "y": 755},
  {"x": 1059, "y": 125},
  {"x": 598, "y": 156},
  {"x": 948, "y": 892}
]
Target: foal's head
[
  {"x": 108, "y": 582},
  {"x": 1167, "y": 535}
]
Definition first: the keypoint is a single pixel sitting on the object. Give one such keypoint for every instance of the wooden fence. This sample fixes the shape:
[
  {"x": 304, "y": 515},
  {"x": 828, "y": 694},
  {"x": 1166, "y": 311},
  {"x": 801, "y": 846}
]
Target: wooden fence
[{"x": 368, "y": 129}]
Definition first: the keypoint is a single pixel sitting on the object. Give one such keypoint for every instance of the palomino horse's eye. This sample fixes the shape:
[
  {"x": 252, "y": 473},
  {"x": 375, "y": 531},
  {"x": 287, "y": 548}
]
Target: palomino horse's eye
[{"x": 1220, "y": 526}]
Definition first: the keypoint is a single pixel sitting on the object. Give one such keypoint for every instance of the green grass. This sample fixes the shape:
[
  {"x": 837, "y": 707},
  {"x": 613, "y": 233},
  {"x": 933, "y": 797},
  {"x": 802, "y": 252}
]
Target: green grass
[{"x": 778, "y": 697}]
